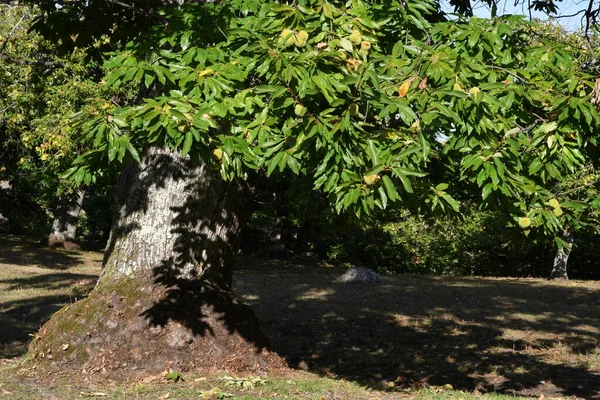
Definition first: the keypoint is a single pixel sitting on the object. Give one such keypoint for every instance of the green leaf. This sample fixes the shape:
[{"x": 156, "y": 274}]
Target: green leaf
[
  {"x": 187, "y": 143},
  {"x": 390, "y": 189},
  {"x": 372, "y": 152}
]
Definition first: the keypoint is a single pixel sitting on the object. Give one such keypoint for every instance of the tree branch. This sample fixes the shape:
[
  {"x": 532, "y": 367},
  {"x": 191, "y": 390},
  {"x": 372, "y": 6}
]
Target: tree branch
[
  {"x": 14, "y": 29},
  {"x": 508, "y": 72},
  {"x": 133, "y": 8},
  {"x": 18, "y": 61}
]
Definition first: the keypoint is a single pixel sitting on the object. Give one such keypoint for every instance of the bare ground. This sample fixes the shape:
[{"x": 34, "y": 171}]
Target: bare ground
[{"x": 515, "y": 336}]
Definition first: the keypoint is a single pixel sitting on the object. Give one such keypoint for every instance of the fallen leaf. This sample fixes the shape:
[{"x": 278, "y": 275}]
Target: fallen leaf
[{"x": 150, "y": 378}]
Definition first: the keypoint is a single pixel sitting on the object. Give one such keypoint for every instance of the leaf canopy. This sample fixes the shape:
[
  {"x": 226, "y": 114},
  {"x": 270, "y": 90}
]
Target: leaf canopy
[{"x": 370, "y": 100}]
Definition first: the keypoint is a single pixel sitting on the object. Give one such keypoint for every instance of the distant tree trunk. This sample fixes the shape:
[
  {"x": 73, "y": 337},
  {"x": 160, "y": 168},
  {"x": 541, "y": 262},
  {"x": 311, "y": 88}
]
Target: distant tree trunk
[
  {"x": 164, "y": 297},
  {"x": 5, "y": 188},
  {"x": 559, "y": 268},
  {"x": 64, "y": 227},
  {"x": 284, "y": 235}
]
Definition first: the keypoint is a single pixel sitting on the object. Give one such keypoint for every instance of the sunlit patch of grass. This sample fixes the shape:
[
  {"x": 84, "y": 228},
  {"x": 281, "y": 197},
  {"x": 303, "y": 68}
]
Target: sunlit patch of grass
[{"x": 316, "y": 294}]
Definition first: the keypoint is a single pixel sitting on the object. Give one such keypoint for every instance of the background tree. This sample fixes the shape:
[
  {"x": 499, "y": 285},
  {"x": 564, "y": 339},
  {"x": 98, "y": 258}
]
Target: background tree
[{"x": 39, "y": 94}]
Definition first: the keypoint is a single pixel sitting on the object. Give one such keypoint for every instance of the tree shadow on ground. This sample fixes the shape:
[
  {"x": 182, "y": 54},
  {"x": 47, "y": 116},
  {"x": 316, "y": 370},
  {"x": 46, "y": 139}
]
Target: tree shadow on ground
[
  {"x": 28, "y": 252},
  {"x": 35, "y": 282},
  {"x": 52, "y": 281},
  {"x": 514, "y": 336},
  {"x": 21, "y": 318}
]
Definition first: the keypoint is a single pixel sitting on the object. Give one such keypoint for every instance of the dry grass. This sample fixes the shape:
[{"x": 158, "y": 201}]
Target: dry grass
[
  {"x": 480, "y": 335},
  {"x": 36, "y": 282},
  {"x": 517, "y": 336}
]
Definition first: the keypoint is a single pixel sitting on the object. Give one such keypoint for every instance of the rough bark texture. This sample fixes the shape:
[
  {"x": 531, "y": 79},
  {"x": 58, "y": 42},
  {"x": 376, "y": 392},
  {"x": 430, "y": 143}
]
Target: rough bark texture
[
  {"x": 163, "y": 300},
  {"x": 5, "y": 188},
  {"x": 64, "y": 227},
  {"x": 559, "y": 268}
]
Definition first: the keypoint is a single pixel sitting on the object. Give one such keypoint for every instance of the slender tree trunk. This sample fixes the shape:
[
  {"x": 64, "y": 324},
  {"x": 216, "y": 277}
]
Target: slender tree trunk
[
  {"x": 64, "y": 227},
  {"x": 164, "y": 298},
  {"x": 559, "y": 268},
  {"x": 284, "y": 234},
  {"x": 5, "y": 188}
]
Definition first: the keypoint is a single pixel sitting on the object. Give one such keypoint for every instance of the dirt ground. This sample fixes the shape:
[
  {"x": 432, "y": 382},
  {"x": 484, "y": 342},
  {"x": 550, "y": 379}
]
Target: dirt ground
[{"x": 514, "y": 336}]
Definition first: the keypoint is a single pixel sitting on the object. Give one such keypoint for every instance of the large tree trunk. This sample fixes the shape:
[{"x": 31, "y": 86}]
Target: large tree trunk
[
  {"x": 559, "y": 268},
  {"x": 164, "y": 298},
  {"x": 64, "y": 227}
]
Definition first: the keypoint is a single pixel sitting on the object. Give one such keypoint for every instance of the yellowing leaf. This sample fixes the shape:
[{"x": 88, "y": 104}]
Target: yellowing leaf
[
  {"x": 403, "y": 89},
  {"x": 346, "y": 44},
  {"x": 549, "y": 127}
]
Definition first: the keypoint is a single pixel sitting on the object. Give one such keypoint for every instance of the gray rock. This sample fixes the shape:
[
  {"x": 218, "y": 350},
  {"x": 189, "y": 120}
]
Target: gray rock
[{"x": 359, "y": 274}]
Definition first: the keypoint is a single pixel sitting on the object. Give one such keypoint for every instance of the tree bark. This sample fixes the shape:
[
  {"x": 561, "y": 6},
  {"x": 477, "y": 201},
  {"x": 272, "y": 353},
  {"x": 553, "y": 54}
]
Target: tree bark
[
  {"x": 164, "y": 299},
  {"x": 559, "y": 268},
  {"x": 64, "y": 227},
  {"x": 5, "y": 188}
]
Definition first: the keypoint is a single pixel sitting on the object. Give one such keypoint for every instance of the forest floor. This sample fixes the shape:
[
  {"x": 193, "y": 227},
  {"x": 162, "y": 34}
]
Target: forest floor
[{"x": 416, "y": 337}]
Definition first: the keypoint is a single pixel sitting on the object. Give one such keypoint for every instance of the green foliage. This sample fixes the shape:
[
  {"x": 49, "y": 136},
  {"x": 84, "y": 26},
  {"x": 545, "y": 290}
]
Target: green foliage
[
  {"x": 39, "y": 91},
  {"x": 371, "y": 102},
  {"x": 478, "y": 244}
]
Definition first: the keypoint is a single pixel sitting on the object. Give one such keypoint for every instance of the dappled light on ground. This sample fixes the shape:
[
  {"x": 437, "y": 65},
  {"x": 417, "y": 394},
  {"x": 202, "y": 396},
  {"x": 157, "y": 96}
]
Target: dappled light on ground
[
  {"x": 35, "y": 282},
  {"x": 28, "y": 252},
  {"x": 523, "y": 336}
]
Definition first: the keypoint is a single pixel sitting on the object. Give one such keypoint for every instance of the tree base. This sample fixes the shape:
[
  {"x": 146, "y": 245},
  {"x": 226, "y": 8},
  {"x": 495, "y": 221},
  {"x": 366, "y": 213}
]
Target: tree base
[
  {"x": 129, "y": 329},
  {"x": 54, "y": 242},
  {"x": 559, "y": 278}
]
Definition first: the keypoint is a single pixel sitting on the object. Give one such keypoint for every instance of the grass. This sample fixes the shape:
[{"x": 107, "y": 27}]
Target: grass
[
  {"x": 36, "y": 282},
  {"x": 410, "y": 337}
]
